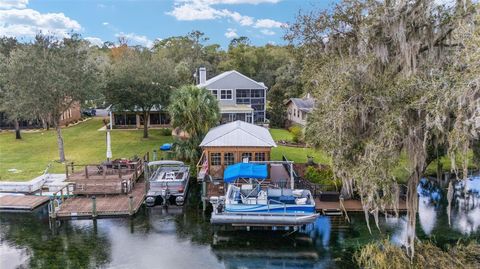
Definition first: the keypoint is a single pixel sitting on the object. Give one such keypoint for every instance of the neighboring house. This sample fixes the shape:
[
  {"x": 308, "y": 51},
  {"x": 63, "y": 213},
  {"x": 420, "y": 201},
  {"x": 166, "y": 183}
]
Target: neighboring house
[
  {"x": 232, "y": 143},
  {"x": 71, "y": 115},
  {"x": 239, "y": 97},
  {"x": 134, "y": 118},
  {"x": 298, "y": 109}
]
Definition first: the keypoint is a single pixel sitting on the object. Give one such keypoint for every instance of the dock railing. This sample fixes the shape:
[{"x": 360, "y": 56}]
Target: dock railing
[
  {"x": 115, "y": 178},
  {"x": 302, "y": 183}
]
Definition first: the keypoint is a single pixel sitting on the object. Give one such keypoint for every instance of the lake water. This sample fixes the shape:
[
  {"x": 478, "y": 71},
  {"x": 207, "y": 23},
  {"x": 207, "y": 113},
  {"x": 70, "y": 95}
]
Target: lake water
[{"x": 176, "y": 238}]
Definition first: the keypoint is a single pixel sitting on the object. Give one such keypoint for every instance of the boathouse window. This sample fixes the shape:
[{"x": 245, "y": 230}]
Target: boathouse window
[
  {"x": 225, "y": 94},
  {"x": 260, "y": 156},
  {"x": 215, "y": 158},
  {"x": 228, "y": 158},
  {"x": 247, "y": 155}
]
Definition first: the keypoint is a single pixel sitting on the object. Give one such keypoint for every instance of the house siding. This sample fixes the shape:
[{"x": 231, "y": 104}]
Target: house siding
[
  {"x": 252, "y": 94},
  {"x": 295, "y": 115}
]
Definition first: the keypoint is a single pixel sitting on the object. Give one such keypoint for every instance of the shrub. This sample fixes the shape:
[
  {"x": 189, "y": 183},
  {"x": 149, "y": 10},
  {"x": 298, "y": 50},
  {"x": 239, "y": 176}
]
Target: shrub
[
  {"x": 297, "y": 133},
  {"x": 322, "y": 177},
  {"x": 166, "y": 132}
]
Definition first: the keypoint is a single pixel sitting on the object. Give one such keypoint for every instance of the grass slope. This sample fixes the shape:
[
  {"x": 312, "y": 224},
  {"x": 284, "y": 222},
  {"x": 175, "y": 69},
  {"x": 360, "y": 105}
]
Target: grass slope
[
  {"x": 84, "y": 144},
  {"x": 298, "y": 155}
]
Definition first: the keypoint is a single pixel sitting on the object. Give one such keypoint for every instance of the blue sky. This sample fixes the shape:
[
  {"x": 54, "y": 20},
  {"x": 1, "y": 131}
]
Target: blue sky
[{"x": 143, "y": 21}]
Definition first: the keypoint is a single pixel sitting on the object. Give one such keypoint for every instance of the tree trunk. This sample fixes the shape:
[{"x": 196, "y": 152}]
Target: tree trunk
[
  {"x": 145, "y": 124},
  {"x": 18, "y": 135},
  {"x": 61, "y": 151}
]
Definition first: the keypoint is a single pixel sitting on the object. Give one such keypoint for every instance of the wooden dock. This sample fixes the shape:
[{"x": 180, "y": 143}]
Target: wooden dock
[
  {"x": 96, "y": 179},
  {"x": 350, "y": 206},
  {"x": 22, "y": 202},
  {"x": 106, "y": 206}
]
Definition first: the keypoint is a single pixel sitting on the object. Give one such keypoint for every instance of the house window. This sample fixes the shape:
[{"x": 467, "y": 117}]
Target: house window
[
  {"x": 247, "y": 155},
  {"x": 228, "y": 158},
  {"x": 258, "y": 93},
  {"x": 260, "y": 156},
  {"x": 225, "y": 94},
  {"x": 215, "y": 158},
  {"x": 215, "y": 93}
]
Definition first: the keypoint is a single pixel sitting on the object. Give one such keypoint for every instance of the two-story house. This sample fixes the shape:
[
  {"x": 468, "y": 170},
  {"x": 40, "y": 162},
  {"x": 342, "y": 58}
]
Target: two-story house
[{"x": 240, "y": 97}]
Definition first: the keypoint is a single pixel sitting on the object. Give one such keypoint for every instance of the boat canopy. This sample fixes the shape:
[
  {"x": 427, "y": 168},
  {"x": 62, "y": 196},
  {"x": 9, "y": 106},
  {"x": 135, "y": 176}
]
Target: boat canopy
[{"x": 245, "y": 170}]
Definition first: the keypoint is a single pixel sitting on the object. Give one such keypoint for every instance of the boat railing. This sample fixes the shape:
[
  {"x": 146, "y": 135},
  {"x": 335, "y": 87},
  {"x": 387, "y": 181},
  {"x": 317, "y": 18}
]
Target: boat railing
[{"x": 278, "y": 203}]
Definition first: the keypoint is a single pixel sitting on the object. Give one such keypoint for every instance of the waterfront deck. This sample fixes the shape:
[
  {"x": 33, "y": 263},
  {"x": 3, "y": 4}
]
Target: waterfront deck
[
  {"x": 117, "y": 177},
  {"x": 350, "y": 206},
  {"x": 22, "y": 202},
  {"x": 108, "y": 206}
]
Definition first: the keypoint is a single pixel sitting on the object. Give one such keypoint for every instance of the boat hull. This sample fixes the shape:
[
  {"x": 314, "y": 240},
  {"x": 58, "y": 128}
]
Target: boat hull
[
  {"x": 256, "y": 208},
  {"x": 250, "y": 219}
]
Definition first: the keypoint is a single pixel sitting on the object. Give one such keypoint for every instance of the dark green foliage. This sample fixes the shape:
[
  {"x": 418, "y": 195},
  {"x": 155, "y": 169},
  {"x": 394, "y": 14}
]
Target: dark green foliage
[
  {"x": 323, "y": 176},
  {"x": 166, "y": 131}
]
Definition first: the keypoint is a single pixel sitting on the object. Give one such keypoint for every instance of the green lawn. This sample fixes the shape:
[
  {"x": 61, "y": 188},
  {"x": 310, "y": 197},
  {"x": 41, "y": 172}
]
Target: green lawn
[
  {"x": 83, "y": 145},
  {"x": 281, "y": 134},
  {"x": 298, "y": 155}
]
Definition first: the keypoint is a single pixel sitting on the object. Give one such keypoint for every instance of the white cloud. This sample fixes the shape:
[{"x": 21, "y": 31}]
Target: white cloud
[
  {"x": 7, "y": 4},
  {"x": 191, "y": 10},
  {"x": 229, "y": 2},
  {"x": 94, "y": 40},
  {"x": 28, "y": 22},
  {"x": 231, "y": 33},
  {"x": 105, "y": 23},
  {"x": 267, "y": 32},
  {"x": 194, "y": 11},
  {"x": 243, "y": 20},
  {"x": 136, "y": 39},
  {"x": 268, "y": 23}
]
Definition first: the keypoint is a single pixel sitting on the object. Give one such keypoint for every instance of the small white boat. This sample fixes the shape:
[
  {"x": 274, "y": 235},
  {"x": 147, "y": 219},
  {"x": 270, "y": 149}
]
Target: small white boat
[
  {"x": 168, "y": 184},
  {"x": 249, "y": 202}
]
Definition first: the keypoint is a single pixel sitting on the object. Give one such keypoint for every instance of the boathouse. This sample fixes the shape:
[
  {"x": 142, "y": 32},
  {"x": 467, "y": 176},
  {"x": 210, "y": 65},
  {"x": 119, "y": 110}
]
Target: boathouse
[{"x": 232, "y": 143}]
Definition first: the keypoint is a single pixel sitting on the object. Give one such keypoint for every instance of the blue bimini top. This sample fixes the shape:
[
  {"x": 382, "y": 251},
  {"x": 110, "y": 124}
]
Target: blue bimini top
[{"x": 245, "y": 170}]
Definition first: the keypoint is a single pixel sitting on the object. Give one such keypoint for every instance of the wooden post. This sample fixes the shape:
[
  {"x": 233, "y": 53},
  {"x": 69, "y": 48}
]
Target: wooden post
[
  {"x": 154, "y": 154},
  {"x": 94, "y": 207},
  {"x": 51, "y": 208},
  {"x": 61, "y": 195},
  {"x": 104, "y": 171},
  {"x": 66, "y": 171},
  {"x": 130, "y": 205},
  {"x": 119, "y": 171},
  {"x": 86, "y": 171},
  {"x": 72, "y": 167},
  {"x": 204, "y": 195}
]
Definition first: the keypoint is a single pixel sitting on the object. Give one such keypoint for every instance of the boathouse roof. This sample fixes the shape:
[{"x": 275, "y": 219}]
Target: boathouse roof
[{"x": 238, "y": 134}]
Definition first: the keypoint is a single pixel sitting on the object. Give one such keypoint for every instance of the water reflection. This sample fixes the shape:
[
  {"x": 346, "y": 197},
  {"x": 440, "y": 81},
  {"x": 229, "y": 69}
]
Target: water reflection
[{"x": 184, "y": 238}]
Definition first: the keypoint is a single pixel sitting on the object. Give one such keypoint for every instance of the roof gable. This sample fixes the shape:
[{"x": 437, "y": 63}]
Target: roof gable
[
  {"x": 304, "y": 104},
  {"x": 238, "y": 134},
  {"x": 232, "y": 80}
]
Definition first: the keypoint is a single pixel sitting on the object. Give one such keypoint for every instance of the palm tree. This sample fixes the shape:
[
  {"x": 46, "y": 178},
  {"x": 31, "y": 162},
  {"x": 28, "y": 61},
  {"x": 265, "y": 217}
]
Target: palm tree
[{"x": 193, "y": 110}]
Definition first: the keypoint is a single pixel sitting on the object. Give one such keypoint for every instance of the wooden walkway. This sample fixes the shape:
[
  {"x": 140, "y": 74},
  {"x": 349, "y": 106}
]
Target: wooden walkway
[
  {"x": 350, "y": 206},
  {"x": 112, "y": 205},
  {"x": 22, "y": 202}
]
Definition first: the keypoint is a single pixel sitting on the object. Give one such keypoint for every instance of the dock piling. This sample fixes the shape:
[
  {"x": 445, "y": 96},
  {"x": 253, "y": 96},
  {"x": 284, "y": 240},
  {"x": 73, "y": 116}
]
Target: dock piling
[
  {"x": 204, "y": 195},
  {"x": 130, "y": 205},
  {"x": 94, "y": 206}
]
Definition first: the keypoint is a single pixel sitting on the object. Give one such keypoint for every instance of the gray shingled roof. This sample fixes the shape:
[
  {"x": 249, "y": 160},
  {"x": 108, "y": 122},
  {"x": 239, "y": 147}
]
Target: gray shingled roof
[
  {"x": 238, "y": 134},
  {"x": 228, "y": 76},
  {"x": 303, "y": 104}
]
